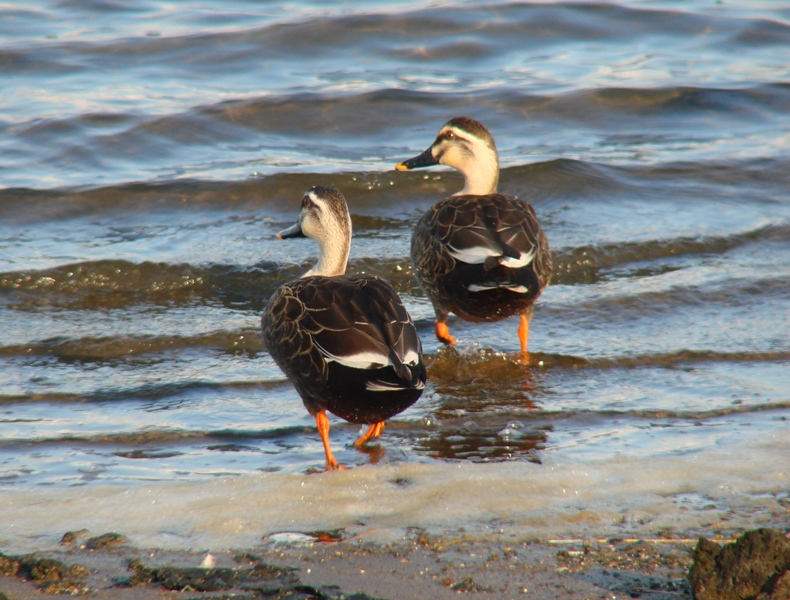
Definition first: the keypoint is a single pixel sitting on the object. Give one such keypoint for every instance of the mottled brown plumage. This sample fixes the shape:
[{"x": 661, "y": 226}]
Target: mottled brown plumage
[
  {"x": 478, "y": 254},
  {"x": 346, "y": 342},
  {"x": 315, "y": 326},
  {"x": 497, "y": 222}
]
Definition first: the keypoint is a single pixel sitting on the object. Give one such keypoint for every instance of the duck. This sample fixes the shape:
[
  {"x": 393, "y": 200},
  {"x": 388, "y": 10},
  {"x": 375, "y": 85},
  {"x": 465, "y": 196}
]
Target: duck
[
  {"x": 479, "y": 254},
  {"x": 346, "y": 342}
]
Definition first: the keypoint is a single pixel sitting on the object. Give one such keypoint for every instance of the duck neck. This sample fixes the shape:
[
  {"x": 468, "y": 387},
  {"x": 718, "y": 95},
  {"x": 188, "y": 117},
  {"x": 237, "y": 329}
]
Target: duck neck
[
  {"x": 481, "y": 177},
  {"x": 333, "y": 258}
]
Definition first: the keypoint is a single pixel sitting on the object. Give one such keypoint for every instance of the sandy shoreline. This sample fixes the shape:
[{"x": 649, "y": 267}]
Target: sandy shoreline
[
  {"x": 422, "y": 567},
  {"x": 400, "y": 535}
]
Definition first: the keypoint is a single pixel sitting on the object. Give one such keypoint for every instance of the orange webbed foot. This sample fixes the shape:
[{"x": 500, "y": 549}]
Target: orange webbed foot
[
  {"x": 443, "y": 333},
  {"x": 373, "y": 433}
]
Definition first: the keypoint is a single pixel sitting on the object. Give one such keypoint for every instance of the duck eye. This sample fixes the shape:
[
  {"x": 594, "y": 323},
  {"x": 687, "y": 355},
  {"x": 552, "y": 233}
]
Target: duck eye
[
  {"x": 449, "y": 135},
  {"x": 306, "y": 202}
]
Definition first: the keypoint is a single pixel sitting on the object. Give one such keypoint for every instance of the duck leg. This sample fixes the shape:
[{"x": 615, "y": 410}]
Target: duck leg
[
  {"x": 322, "y": 423},
  {"x": 443, "y": 333},
  {"x": 523, "y": 333},
  {"x": 373, "y": 433}
]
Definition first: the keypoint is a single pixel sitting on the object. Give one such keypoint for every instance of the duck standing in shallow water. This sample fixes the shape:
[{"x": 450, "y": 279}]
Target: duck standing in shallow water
[
  {"x": 346, "y": 342},
  {"x": 478, "y": 254}
]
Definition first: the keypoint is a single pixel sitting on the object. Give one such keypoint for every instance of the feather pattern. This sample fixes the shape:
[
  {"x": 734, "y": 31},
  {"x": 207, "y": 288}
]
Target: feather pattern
[
  {"x": 479, "y": 254},
  {"x": 484, "y": 258},
  {"x": 346, "y": 342},
  {"x": 348, "y": 345}
]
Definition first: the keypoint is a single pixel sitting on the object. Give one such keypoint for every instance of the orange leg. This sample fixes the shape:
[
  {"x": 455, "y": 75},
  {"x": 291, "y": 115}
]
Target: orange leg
[
  {"x": 443, "y": 333},
  {"x": 523, "y": 333},
  {"x": 323, "y": 430},
  {"x": 373, "y": 433}
]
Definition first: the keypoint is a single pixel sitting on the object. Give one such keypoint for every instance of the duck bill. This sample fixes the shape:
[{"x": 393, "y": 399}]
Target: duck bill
[
  {"x": 295, "y": 231},
  {"x": 426, "y": 159}
]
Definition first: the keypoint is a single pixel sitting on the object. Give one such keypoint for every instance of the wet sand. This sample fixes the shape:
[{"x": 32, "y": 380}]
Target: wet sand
[{"x": 421, "y": 567}]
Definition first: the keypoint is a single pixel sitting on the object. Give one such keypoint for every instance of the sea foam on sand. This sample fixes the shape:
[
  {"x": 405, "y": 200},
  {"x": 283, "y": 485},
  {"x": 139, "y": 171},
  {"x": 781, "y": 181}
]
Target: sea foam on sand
[{"x": 726, "y": 489}]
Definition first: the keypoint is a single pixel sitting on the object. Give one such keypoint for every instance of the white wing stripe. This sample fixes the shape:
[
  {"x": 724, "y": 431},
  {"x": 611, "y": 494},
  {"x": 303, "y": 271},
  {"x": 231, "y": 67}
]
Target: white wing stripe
[
  {"x": 411, "y": 358},
  {"x": 368, "y": 360},
  {"x": 362, "y": 360},
  {"x": 481, "y": 287},
  {"x": 383, "y": 386},
  {"x": 472, "y": 256},
  {"x": 522, "y": 261},
  {"x": 478, "y": 254},
  {"x": 519, "y": 289}
]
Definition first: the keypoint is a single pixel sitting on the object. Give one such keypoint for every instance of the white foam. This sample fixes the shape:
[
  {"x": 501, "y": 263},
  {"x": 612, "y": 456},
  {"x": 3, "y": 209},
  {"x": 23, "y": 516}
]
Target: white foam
[{"x": 559, "y": 498}]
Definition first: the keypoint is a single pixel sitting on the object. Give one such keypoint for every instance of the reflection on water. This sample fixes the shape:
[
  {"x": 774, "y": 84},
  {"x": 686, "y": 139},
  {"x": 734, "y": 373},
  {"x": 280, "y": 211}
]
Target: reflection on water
[
  {"x": 483, "y": 443},
  {"x": 148, "y": 156}
]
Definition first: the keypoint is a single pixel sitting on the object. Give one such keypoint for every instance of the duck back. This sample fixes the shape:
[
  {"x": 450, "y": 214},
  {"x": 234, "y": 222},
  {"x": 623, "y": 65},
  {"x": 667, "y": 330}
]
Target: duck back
[
  {"x": 485, "y": 258},
  {"x": 348, "y": 345}
]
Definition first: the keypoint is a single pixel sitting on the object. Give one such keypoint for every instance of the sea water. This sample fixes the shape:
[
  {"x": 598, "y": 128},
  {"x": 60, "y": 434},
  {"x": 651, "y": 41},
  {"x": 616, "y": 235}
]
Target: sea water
[{"x": 150, "y": 152}]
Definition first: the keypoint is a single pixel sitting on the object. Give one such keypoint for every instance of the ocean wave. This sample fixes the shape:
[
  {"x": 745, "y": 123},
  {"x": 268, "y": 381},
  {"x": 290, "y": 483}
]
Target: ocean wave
[
  {"x": 159, "y": 436},
  {"x": 149, "y": 154},
  {"x": 587, "y": 264},
  {"x": 148, "y": 392}
]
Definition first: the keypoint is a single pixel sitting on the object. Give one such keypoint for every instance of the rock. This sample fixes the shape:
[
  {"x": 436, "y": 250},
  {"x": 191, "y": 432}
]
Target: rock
[
  {"x": 757, "y": 564},
  {"x": 42, "y": 569},
  {"x": 467, "y": 584},
  {"x": 780, "y": 590},
  {"x": 108, "y": 541},
  {"x": 208, "y": 579},
  {"x": 8, "y": 565},
  {"x": 70, "y": 538},
  {"x": 49, "y": 575},
  {"x": 195, "y": 578}
]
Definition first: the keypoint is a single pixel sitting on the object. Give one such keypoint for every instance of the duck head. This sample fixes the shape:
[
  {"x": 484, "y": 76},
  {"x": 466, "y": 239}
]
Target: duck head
[
  {"x": 324, "y": 218},
  {"x": 467, "y": 146}
]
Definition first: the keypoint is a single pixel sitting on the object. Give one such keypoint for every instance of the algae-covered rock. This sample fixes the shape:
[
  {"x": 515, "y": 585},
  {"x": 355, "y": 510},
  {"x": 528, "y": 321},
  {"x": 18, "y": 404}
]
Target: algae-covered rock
[
  {"x": 195, "y": 578},
  {"x": 208, "y": 580},
  {"x": 107, "y": 541},
  {"x": 754, "y": 565},
  {"x": 71, "y": 538},
  {"x": 780, "y": 589},
  {"x": 49, "y": 575},
  {"x": 8, "y": 565},
  {"x": 42, "y": 569}
]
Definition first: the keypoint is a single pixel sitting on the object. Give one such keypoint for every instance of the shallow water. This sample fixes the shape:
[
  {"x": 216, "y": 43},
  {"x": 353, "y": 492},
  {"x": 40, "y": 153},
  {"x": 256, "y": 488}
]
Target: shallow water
[{"x": 149, "y": 152}]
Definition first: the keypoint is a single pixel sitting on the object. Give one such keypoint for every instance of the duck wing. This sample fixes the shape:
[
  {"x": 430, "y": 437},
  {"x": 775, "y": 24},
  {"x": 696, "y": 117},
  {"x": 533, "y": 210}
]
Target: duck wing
[
  {"x": 491, "y": 230},
  {"x": 357, "y": 322},
  {"x": 483, "y": 257},
  {"x": 348, "y": 346},
  {"x": 367, "y": 327}
]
